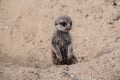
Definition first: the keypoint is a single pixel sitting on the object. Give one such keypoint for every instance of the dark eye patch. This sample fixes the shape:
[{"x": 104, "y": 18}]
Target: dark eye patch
[
  {"x": 63, "y": 23},
  {"x": 71, "y": 23}
]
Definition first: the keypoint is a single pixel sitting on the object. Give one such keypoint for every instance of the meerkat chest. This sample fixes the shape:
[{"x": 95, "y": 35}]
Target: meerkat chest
[{"x": 64, "y": 40}]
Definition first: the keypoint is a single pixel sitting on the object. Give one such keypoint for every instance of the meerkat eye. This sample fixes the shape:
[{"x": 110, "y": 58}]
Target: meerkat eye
[{"x": 63, "y": 23}]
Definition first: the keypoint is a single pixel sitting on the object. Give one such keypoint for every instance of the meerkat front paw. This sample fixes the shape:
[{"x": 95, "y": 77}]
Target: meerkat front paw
[
  {"x": 69, "y": 56},
  {"x": 59, "y": 58}
]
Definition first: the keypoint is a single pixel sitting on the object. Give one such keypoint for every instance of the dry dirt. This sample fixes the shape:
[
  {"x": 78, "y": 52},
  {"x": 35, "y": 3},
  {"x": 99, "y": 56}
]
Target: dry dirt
[{"x": 26, "y": 27}]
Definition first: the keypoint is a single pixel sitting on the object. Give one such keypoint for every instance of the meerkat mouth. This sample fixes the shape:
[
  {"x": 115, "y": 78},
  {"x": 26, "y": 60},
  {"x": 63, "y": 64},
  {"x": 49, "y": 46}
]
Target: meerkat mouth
[{"x": 61, "y": 28}]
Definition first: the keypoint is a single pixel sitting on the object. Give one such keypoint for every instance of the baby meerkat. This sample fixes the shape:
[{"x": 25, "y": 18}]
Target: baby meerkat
[{"x": 62, "y": 50}]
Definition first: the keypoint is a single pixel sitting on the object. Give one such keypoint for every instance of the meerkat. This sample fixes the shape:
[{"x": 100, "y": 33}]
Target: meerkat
[{"x": 62, "y": 49}]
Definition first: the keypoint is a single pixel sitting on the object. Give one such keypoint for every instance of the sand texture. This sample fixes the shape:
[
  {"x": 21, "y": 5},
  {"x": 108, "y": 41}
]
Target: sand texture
[{"x": 26, "y": 28}]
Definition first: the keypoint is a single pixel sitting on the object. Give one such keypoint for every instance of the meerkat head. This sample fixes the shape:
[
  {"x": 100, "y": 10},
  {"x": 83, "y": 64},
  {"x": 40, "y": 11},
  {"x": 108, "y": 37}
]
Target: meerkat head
[{"x": 63, "y": 23}]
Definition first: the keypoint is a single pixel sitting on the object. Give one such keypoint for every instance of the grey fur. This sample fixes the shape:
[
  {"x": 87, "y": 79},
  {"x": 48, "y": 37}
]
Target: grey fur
[{"x": 62, "y": 50}]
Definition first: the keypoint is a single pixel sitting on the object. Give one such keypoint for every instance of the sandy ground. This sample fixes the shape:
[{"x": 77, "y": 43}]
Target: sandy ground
[{"x": 26, "y": 27}]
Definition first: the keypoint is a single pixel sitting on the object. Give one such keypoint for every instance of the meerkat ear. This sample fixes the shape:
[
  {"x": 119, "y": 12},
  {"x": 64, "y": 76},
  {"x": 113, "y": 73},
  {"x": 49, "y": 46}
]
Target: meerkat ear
[
  {"x": 55, "y": 23},
  {"x": 71, "y": 23}
]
